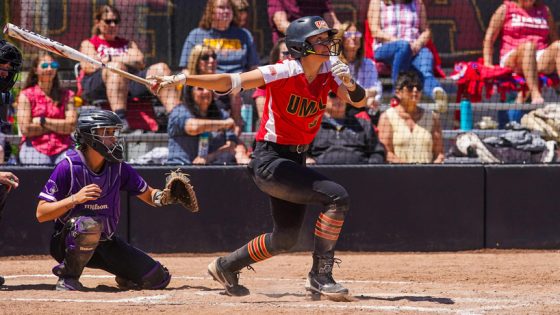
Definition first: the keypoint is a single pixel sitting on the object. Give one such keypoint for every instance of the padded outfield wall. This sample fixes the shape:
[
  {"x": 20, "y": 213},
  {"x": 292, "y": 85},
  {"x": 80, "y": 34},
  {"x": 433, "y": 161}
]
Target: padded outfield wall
[{"x": 393, "y": 208}]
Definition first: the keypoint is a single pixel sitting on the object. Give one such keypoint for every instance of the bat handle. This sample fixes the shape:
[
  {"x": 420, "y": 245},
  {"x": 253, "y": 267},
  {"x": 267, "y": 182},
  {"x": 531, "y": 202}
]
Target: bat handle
[{"x": 129, "y": 76}]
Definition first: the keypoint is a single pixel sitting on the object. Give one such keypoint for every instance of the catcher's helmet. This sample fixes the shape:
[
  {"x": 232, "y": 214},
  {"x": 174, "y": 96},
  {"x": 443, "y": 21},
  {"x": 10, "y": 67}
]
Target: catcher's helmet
[
  {"x": 92, "y": 131},
  {"x": 301, "y": 29},
  {"x": 11, "y": 56}
]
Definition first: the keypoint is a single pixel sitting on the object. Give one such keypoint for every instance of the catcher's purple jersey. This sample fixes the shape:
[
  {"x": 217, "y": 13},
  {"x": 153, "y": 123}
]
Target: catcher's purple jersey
[{"x": 72, "y": 174}]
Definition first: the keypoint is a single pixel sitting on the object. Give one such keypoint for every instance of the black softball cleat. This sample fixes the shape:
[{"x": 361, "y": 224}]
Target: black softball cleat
[{"x": 230, "y": 280}]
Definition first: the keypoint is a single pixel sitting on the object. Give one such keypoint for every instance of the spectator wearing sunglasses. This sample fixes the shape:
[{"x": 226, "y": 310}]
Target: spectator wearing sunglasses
[
  {"x": 361, "y": 68},
  {"x": 199, "y": 132},
  {"x": 240, "y": 13},
  {"x": 45, "y": 114},
  {"x": 410, "y": 133},
  {"x": 203, "y": 60},
  {"x": 401, "y": 31},
  {"x": 123, "y": 54},
  {"x": 234, "y": 47}
]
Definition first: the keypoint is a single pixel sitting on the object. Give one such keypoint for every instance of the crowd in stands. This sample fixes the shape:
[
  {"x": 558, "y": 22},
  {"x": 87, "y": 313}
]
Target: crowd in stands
[{"x": 205, "y": 127}]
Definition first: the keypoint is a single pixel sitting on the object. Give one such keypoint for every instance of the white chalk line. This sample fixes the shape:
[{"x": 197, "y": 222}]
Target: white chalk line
[
  {"x": 503, "y": 303},
  {"x": 135, "y": 300}
]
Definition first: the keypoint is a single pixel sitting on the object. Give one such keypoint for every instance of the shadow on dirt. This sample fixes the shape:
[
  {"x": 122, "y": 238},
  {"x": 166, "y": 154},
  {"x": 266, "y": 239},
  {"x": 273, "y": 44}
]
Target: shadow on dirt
[{"x": 408, "y": 298}]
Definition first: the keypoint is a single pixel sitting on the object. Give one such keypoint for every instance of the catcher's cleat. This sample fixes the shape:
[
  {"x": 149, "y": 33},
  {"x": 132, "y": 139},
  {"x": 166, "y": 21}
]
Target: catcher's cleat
[
  {"x": 230, "y": 280},
  {"x": 68, "y": 284},
  {"x": 2, "y": 280},
  {"x": 320, "y": 280}
]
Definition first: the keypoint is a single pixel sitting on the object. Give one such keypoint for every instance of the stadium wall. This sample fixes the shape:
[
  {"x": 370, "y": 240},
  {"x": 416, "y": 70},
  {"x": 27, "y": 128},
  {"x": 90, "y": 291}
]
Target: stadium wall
[{"x": 393, "y": 208}]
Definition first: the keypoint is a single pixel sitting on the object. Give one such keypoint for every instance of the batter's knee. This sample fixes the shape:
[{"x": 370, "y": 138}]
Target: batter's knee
[
  {"x": 340, "y": 201},
  {"x": 156, "y": 279}
]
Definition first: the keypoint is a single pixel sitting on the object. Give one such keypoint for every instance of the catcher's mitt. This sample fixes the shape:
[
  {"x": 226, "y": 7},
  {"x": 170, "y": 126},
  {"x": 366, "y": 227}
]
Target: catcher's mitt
[{"x": 178, "y": 189}]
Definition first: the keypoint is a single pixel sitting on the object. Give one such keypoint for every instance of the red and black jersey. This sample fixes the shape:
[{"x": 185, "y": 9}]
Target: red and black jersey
[{"x": 294, "y": 107}]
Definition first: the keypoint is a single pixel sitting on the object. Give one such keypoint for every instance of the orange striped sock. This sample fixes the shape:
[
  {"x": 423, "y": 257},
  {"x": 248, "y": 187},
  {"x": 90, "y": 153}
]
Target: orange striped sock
[
  {"x": 328, "y": 228},
  {"x": 257, "y": 248}
]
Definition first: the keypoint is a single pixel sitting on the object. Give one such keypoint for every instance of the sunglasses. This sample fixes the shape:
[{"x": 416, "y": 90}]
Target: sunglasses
[
  {"x": 285, "y": 53},
  {"x": 411, "y": 87},
  {"x": 349, "y": 34},
  {"x": 207, "y": 57},
  {"x": 53, "y": 65},
  {"x": 111, "y": 21}
]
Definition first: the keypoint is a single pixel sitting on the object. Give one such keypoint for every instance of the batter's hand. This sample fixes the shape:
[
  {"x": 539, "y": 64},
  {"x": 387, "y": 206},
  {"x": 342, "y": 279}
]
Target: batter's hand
[
  {"x": 87, "y": 193},
  {"x": 161, "y": 81},
  {"x": 341, "y": 70},
  {"x": 9, "y": 179}
]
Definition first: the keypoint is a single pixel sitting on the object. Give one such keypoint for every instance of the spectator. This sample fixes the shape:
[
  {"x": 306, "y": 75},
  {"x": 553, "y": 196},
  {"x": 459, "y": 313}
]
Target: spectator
[
  {"x": 363, "y": 69},
  {"x": 240, "y": 13},
  {"x": 401, "y": 32},
  {"x": 529, "y": 41},
  {"x": 410, "y": 133},
  {"x": 278, "y": 53},
  {"x": 282, "y": 12},
  {"x": 203, "y": 60},
  {"x": 123, "y": 54},
  {"x": 234, "y": 46},
  {"x": 344, "y": 139},
  {"x": 199, "y": 132},
  {"x": 45, "y": 114}
]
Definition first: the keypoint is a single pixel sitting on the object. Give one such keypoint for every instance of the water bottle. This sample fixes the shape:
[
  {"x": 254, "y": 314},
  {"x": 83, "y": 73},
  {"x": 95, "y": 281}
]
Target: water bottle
[
  {"x": 203, "y": 144},
  {"x": 247, "y": 116},
  {"x": 466, "y": 114}
]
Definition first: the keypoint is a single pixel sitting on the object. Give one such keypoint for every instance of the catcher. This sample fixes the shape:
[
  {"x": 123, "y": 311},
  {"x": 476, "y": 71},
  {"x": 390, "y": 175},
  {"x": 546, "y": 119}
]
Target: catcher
[{"x": 82, "y": 195}]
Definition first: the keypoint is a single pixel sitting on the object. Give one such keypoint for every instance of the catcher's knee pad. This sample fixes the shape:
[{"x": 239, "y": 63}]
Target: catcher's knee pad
[
  {"x": 83, "y": 234},
  {"x": 157, "y": 278}
]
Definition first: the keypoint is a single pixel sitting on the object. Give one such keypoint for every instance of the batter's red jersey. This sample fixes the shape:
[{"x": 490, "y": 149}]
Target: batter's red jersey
[{"x": 294, "y": 107}]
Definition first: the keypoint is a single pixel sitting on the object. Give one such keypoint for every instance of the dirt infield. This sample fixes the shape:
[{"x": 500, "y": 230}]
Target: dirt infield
[{"x": 481, "y": 282}]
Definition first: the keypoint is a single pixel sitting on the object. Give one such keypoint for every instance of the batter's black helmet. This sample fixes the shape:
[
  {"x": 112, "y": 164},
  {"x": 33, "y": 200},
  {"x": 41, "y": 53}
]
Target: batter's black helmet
[
  {"x": 110, "y": 146},
  {"x": 301, "y": 29},
  {"x": 10, "y": 55}
]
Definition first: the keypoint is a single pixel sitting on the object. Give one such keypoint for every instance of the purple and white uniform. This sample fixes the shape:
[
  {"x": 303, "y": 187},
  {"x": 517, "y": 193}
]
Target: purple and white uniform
[{"x": 72, "y": 174}]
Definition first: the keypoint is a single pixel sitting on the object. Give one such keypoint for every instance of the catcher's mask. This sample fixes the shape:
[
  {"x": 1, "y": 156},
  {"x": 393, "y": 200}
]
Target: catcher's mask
[
  {"x": 101, "y": 130},
  {"x": 10, "y": 65},
  {"x": 300, "y": 30}
]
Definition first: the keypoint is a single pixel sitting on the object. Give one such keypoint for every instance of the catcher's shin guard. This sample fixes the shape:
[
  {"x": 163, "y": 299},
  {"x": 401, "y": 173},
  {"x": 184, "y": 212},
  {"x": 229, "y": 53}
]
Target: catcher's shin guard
[
  {"x": 320, "y": 279},
  {"x": 81, "y": 242},
  {"x": 229, "y": 279}
]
